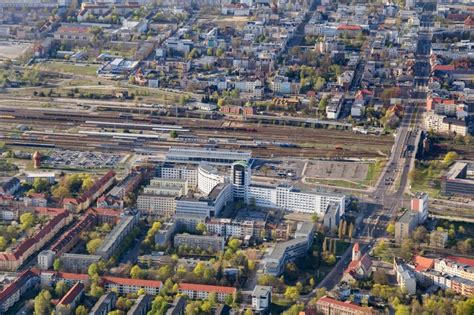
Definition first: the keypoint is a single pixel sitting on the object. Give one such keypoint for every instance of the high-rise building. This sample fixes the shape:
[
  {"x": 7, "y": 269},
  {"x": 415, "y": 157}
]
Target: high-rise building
[{"x": 240, "y": 177}]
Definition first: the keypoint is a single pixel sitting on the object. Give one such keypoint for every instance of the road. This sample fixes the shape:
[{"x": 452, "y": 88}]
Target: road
[{"x": 381, "y": 203}]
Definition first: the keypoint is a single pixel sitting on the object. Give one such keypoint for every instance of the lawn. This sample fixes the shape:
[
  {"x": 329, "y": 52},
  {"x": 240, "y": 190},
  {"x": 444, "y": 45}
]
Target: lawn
[
  {"x": 88, "y": 70},
  {"x": 373, "y": 172},
  {"x": 426, "y": 177},
  {"x": 337, "y": 183}
]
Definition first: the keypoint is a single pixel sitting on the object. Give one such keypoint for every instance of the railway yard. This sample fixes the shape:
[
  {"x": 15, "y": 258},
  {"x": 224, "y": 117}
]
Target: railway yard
[{"x": 143, "y": 133}]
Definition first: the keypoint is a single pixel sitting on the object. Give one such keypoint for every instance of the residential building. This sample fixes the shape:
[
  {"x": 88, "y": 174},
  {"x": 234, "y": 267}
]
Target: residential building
[
  {"x": 284, "y": 252},
  {"x": 12, "y": 260},
  {"x": 9, "y": 185},
  {"x": 332, "y": 216},
  {"x": 405, "y": 225},
  {"x": 178, "y": 306},
  {"x": 204, "y": 242},
  {"x": 438, "y": 239},
  {"x": 419, "y": 205},
  {"x": 406, "y": 278},
  {"x": 78, "y": 263},
  {"x": 70, "y": 300},
  {"x": 12, "y": 292},
  {"x": 70, "y": 238},
  {"x": 261, "y": 298},
  {"x": 330, "y": 306},
  {"x": 105, "y": 304},
  {"x": 84, "y": 201},
  {"x": 126, "y": 185},
  {"x": 49, "y": 177},
  {"x": 45, "y": 259},
  {"x": 201, "y": 291},
  {"x": 127, "y": 286},
  {"x": 113, "y": 240},
  {"x": 165, "y": 234},
  {"x": 142, "y": 305}
]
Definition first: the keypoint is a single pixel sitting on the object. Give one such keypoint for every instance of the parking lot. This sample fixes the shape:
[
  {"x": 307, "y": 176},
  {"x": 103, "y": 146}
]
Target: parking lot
[
  {"x": 81, "y": 160},
  {"x": 289, "y": 169},
  {"x": 337, "y": 170}
]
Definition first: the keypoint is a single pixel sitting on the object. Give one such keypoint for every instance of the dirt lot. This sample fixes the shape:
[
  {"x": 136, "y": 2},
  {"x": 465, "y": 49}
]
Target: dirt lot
[
  {"x": 337, "y": 170},
  {"x": 9, "y": 50}
]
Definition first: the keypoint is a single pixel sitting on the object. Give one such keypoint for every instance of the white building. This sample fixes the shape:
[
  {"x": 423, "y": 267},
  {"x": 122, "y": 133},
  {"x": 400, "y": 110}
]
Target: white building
[
  {"x": 211, "y": 156},
  {"x": 261, "y": 297},
  {"x": 240, "y": 178},
  {"x": 209, "y": 206},
  {"x": 419, "y": 204},
  {"x": 406, "y": 278},
  {"x": 45, "y": 259},
  {"x": 30, "y": 177},
  {"x": 292, "y": 199},
  {"x": 178, "y": 171},
  {"x": 208, "y": 178}
]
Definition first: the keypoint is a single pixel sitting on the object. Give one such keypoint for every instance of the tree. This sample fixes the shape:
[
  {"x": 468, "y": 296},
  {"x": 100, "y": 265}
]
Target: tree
[
  {"x": 198, "y": 271},
  {"x": 56, "y": 264},
  {"x": 292, "y": 293},
  {"x": 407, "y": 249},
  {"x": 3, "y": 243},
  {"x": 42, "y": 304},
  {"x": 81, "y": 310},
  {"x": 219, "y": 52},
  {"x": 419, "y": 235},
  {"x": 93, "y": 245},
  {"x": 248, "y": 312},
  {"x": 173, "y": 134},
  {"x": 60, "y": 289},
  {"x": 60, "y": 192},
  {"x": 40, "y": 184},
  {"x": 295, "y": 309},
  {"x": 27, "y": 220},
  {"x": 96, "y": 291},
  {"x": 465, "y": 307},
  {"x": 312, "y": 283},
  {"x": 234, "y": 244},
  {"x": 87, "y": 183},
  {"x": 465, "y": 246},
  {"x": 93, "y": 270},
  {"x": 380, "y": 277},
  {"x": 201, "y": 228},
  {"x": 319, "y": 84},
  {"x": 450, "y": 157},
  {"x": 390, "y": 229},
  {"x": 220, "y": 102},
  {"x": 136, "y": 272}
]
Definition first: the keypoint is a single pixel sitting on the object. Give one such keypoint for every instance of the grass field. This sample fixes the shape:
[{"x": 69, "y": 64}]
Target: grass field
[{"x": 88, "y": 70}]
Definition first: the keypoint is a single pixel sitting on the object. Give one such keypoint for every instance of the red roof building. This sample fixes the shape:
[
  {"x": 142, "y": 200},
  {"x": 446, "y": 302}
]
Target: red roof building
[
  {"x": 126, "y": 285},
  {"x": 70, "y": 300},
  {"x": 329, "y": 306},
  {"x": 201, "y": 291}
]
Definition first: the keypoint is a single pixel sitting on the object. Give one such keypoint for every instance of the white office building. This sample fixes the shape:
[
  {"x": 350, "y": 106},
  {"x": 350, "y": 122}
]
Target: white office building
[
  {"x": 208, "y": 206},
  {"x": 292, "y": 199},
  {"x": 178, "y": 171},
  {"x": 208, "y": 178},
  {"x": 240, "y": 177}
]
